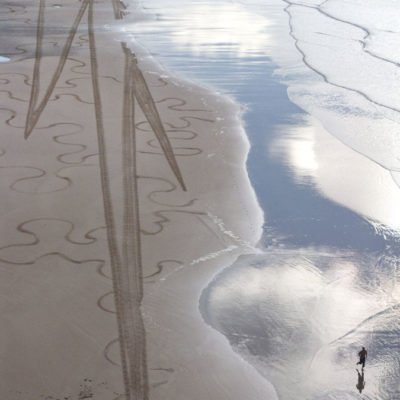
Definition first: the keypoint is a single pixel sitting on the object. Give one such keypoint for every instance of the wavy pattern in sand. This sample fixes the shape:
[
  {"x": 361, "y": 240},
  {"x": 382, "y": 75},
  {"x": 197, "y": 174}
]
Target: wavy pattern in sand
[
  {"x": 108, "y": 349},
  {"x": 103, "y": 301},
  {"x": 9, "y": 115},
  {"x": 5, "y": 81},
  {"x": 34, "y": 184},
  {"x": 56, "y": 237},
  {"x": 69, "y": 83},
  {"x": 161, "y": 83},
  {"x": 37, "y": 106},
  {"x": 75, "y": 96},
  {"x": 47, "y": 236},
  {"x": 36, "y": 180},
  {"x": 178, "y": 135},
  {"x": 161, "y": 266},
  {"x": 12, "y": 97},
  {"x": 154, "y": 195},
  {"x": 160, "y": 219},
  {"x": 69, "y": 157},
  {"x": 178, "y": 103},
  {"x": 178, "y": 150}
]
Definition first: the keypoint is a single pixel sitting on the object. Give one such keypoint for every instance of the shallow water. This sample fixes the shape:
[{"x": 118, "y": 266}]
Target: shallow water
[
  {"x": 325, "y": 282},
  {"x": 244, "y": 70}
]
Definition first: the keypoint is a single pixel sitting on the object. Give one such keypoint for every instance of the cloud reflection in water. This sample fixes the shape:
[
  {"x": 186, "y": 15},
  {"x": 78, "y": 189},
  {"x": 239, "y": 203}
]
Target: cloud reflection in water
[
  {"x": 340, "y": 173},
  {"x": 301, "y": 316},
  {"x": 210, "y": 28}
]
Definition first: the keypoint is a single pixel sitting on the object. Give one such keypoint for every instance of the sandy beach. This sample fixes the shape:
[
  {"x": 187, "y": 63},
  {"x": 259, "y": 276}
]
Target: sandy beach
[
  {"x": 199, "y": 200},
  {"x": 115, "y": 181}
]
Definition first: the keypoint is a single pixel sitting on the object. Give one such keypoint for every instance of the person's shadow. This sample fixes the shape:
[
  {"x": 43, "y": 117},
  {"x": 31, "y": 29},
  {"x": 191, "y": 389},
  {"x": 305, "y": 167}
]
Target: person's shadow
[{"x": 361, "y": 381}]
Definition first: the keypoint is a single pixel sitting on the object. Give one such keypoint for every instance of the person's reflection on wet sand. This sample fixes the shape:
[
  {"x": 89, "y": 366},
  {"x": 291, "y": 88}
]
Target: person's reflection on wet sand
[{"x": 361, "y": 382}]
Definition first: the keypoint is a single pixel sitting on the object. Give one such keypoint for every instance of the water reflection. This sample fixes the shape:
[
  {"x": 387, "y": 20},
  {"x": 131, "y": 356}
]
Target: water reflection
[
  {"x": 217, "y": 42},
  {"x": 297, "y": 148},
  {"x": 340, "y": 173},
  {"x": 360, "y": 380},
  {"x": 204, "y": 40},
  {"x": 300, "y": 310},
  {"x": 300, "y": 317},
  {"x": 220, "y": 27},
  {"x": 212, "y": 29}
]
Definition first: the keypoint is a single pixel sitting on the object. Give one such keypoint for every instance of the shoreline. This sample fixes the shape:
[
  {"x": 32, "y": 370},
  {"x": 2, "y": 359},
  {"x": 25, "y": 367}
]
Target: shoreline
[
  {"x": 354, "y": 246},
  {"x": 61, "y": 209},
  {"x": 133, "y": 202}
]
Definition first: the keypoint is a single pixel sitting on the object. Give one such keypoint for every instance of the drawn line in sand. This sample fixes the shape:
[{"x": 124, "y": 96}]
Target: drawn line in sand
[
  {"x": 126, "y": 266},
  {"x": 35, "y": 111},
  {"x": 132, "y": 278}
]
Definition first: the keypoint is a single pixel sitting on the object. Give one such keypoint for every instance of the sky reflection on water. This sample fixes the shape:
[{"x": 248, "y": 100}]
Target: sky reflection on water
[
  {"x": 227, "y": 46},
  {"x": 326, "y": 267}
]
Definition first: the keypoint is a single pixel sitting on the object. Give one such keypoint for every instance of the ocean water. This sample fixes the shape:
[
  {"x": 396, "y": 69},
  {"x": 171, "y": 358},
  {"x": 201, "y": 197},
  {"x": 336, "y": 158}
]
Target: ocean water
[{"x": 318, "y": 81}]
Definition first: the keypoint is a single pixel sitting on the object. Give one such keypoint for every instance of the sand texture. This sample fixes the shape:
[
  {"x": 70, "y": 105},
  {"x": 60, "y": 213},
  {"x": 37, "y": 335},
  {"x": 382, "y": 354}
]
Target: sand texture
[{"x": 123, "y": 193}]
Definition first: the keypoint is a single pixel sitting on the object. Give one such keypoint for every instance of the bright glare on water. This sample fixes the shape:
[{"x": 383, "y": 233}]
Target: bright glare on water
[{"x": 326, "y": 282}]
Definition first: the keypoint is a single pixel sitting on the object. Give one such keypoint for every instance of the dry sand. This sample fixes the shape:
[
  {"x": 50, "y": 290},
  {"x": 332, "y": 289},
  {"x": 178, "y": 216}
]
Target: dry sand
[{"x": 124, "y": 192}]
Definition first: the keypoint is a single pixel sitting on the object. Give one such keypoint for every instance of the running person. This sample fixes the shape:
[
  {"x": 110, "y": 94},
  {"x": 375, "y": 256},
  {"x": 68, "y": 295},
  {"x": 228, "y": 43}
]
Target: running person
[{"x": 363, "y": 355}]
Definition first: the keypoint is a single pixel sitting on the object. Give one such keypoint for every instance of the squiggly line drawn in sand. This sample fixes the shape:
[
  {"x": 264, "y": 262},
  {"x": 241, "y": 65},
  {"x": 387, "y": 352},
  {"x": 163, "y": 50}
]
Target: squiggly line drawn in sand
[
  {"x": 35, "y": 175},
  {"x": 70, "y": 85},
  {"x": 107, "y": 351},
  {"x": 162, "y": 81},
  {"x": 35, "y": 109},
  {"x": 171, "y": 188},
  {"x": 81, "y": 65},
  {"x": 161, "y": 219},
  {"x": 185, "y": 134},
  {"x": 12, "y": 97},
  {"x": 142, "y": 93},
  {"x": 188, "y": 123},
  {"x": 75, "y": 96},
  {"x": 28, "y": 228},
  {"x": 161, "y": 266},
  {"x": 13, "y": 114},
  {"x": 184, "y": 151},
  {"x": 165, "y": 372},
  {"x": 126, "y": 265},
  {"x": 80, "y": 148},
  {"x": 180, "y": 134},
  {"x": 102, "y": 306},
  {"x": 5, "y": 81},
  {"x": 179, "y": 103}
]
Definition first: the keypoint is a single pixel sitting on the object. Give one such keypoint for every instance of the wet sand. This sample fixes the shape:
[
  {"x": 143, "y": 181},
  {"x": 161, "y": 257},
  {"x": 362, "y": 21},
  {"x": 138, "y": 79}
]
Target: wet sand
[{"x": 124, "y": 193}]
